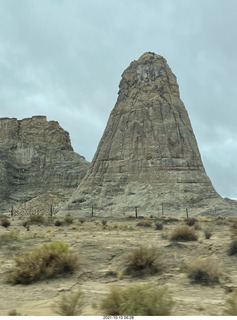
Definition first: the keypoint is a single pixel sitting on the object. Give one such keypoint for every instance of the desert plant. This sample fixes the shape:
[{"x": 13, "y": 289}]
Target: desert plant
[
  {"x": 190, "y": 221},
  {"x": 36, "y": 219},
  {"x": 207, "y": 234},
  {"x": 68, "y": 219},
  {"x": 138, "y": 300},
  {"x": 104, "y": 222},
  {"x": 143, "y": 261},
  {"x": 58, "y": 223},
  {"x": 43, "y": 262},
  {"x": 158, "y": 225},
  {"x": 82, "y": 220},
  {"x": 13, "y": 313},
  {"x": 204, "y": 270},
  {"x": 234, "y": 228},
  {"x": 12, "y": 235},
  {"x": 231, "y": 304},
  {"x": 5, "y": 222},
  {"x": 144, "y": 223},
  {"x": 183, "y": 233},
  {"x": 69, "y": 304},
  {"x": 232, "y": 248}
]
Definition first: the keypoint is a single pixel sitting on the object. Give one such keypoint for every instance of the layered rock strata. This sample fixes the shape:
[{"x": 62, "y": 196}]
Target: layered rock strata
[
  {"x": 36, "y": 156},
  {"x": 148, "y": 156}
]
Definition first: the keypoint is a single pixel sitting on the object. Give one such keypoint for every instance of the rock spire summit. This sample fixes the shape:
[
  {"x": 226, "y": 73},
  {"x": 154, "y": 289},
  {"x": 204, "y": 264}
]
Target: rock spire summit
[{"x": 148, "y": 156}]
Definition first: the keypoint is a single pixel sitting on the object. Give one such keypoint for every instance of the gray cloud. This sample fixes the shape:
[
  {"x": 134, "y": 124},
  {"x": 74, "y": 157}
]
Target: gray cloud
[{"x": 64, "y": 59}]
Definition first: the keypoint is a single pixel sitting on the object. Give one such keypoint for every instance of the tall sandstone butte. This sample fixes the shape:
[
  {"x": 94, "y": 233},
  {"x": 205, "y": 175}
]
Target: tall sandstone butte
[
  {"x": 148, "y": 155},
  {"x": 36, "y": 157}
]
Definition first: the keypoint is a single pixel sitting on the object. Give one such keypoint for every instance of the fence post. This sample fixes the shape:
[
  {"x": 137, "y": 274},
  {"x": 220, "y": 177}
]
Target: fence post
[
  {"x": 136, "y": 212},
  {"x": 187, "y": 212}
]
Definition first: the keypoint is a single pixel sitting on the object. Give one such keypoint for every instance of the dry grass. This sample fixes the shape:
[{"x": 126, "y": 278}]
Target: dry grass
[
  {"x": 143, "y": 261},
  {"x": 183, "y": 233}
]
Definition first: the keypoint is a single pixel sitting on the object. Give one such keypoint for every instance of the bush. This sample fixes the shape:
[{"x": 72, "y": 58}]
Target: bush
[
  {"x": 234, "y": 228},
  {"x": 58, "y": 223},
  {"x": 204, "y": 270},
  {"x": 104, "y": 222},
  {"x": 207, "y": 234},
  {"x": 42, "y": 263},
  {"x": 231, "y": 304},
  {"x": 184, "y": 233},
  {"x": 144, "y": 223},
  {"x": 69, "y": 304},
  {"x": 191, "y": 221},
  {"x": 143, "y": 261},
  {"x": 36, "y": 219},
  {"x": 233, "y": 248},
  {"x": 12, "y": 235},
  {"x": 159, "y": 226},
  {"x": 68, "y": 219},
  {"x": 5, "y": 223},
  {"x": 138, "y": 300}
]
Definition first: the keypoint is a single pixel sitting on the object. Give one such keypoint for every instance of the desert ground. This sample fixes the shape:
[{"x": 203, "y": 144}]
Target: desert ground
[{"x": 101, "y": 245}]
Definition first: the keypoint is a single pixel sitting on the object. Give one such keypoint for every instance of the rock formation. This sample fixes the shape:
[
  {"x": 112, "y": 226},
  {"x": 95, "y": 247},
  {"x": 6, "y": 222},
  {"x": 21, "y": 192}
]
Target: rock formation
[
  {"x": 148, "y": 155},
  {"x": 36, "y": 156}
]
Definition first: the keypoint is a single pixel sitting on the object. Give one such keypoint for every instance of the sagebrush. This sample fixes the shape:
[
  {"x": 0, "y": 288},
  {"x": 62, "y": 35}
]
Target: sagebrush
[
  {"x": 143, "y": 261},
  {"x": 183, "y": 233},
  {"x": 44, "y": 262},
  {"x": 138, "y": 300}
]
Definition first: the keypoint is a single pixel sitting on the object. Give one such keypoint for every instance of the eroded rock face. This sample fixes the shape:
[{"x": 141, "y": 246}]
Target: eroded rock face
[
  {"x": 148, "y": 155},
  {"x": 36, "y": 156}
]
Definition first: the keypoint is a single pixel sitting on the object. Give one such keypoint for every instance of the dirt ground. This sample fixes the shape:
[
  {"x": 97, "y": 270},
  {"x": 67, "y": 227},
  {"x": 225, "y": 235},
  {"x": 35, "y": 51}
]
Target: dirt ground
[{"x": 101, "y": 250}]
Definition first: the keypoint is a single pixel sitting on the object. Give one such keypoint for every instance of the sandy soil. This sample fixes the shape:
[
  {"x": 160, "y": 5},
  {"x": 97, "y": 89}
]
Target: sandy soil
[{"x": 101, "y": 250}]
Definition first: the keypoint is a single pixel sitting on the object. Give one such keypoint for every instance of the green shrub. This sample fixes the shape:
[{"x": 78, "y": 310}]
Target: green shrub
[
  {"x": 204, "y": 270},
  {"x": 231, "y": 304},
  {"x": 138, "y": 300},
  {"x": 183, "y": 233},
  {"x": 43, "y": 262},
  {"x": 70, "y": 304},
  {"x": 143, "y": 261},
  {"x": 13, "y": 313}
]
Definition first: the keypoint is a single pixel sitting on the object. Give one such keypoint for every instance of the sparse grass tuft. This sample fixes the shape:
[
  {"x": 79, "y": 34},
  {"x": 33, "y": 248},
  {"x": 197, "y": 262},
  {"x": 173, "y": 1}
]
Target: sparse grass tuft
[
  {"x": 138, "y": 300},
  {"x": 13, "y": 313},
  {"x": 204, "y": 270},
  {"x": 70, "y": 304},
  {"x": 143, "y": 261},
  {"x": 42, "y": 263},
  {"x": 234, "y": 228},
  {"x": 231, "y": 304},
  {"x": 183, "y": 233}
]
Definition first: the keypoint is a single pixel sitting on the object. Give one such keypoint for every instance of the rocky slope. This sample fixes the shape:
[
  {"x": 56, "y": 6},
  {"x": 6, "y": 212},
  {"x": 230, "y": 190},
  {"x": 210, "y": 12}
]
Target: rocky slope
[
  {"x": 36, "y": 156},
  {"x": 148, "y": 155}
]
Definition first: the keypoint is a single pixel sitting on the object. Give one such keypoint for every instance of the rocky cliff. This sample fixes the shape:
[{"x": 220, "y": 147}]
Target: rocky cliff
[
  {"x": 148, "y": 155},
  {"x": 36, "y": 156}
]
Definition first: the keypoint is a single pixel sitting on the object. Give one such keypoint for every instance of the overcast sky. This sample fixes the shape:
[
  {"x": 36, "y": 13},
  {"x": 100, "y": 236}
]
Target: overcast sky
[{"x": 64, "y": 59}]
